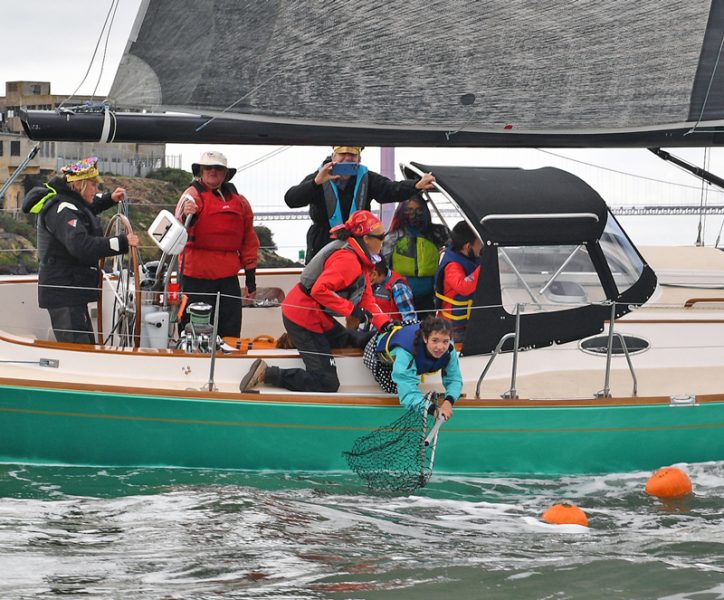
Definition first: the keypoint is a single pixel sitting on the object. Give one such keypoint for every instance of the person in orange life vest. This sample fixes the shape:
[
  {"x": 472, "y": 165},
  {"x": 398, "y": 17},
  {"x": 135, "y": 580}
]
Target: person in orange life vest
[
  {"x": 392, "y": 293},
  {"x": 335, "y": 282},
  {"x": 222, "y": 241},
  {"x": 457, "y": 278},
  {"x": 333, "y": 198}
]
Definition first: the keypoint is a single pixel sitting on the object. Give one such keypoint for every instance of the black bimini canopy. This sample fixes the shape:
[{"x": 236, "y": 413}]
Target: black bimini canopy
[
  {"x": 570, "y": 263},
  {"x": 523, "y": 206}
]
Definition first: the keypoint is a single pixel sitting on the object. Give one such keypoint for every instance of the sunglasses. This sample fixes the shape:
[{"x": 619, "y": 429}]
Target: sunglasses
[
  {"x": 377, "y": 236},
  {"x": 213, "y": 168}
]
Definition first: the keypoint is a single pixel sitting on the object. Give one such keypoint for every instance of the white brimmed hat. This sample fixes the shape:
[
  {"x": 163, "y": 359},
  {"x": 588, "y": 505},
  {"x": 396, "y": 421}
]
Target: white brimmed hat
[{"x": 212, "y": 158}]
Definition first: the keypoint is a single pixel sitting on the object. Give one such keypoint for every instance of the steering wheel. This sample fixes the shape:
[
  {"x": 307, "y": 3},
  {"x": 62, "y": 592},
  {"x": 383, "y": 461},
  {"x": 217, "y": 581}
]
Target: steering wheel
[{"x": 125, "y": 330}]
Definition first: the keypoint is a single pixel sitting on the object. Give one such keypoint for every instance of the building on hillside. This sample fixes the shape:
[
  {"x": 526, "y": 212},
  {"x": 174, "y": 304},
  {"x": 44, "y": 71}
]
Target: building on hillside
[{"x": 135, "y": 160}]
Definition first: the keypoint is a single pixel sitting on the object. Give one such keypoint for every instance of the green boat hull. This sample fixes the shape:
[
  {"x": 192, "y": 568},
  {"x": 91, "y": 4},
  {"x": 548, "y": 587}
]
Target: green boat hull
[{"x": 57, "y": 426}]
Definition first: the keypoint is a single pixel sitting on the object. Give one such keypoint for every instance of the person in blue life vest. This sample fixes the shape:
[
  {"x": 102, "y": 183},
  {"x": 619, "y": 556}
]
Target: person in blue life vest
[
  {"x": 222, "y": 241},
  {"x": 332, "y": 198},
  {"x": 457, "y": 278},
  {"x": 400, "y": 357},
  {"x": 392, "y": 293},
  {"x": 412, "y": 249},
  {"x": 71, "y": 241}
]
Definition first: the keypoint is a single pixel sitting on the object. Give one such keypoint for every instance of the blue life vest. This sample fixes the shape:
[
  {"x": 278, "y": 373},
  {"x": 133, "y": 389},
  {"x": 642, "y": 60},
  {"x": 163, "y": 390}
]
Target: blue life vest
[
  {"x": 359, "y": 198},
  {"x": 404, "y": 337}
]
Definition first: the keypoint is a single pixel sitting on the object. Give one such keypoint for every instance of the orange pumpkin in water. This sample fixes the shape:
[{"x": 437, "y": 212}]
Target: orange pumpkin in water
[
  {"x": 669, "y": 482},
  {"x": 565, "y": 514}
]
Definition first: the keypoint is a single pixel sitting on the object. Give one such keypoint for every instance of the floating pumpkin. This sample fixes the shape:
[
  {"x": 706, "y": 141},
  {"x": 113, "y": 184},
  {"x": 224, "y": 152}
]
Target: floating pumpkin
[
  {"x": 669, "y": 482},
  {"x": 565, "y": 514}
]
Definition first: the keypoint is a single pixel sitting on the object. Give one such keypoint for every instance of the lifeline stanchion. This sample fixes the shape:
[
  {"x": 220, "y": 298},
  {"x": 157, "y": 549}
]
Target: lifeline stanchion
[
  {"x": 606, "y": 391},
  {"x": 213, "y": 342},
  {"x": 512, "y": 393}
]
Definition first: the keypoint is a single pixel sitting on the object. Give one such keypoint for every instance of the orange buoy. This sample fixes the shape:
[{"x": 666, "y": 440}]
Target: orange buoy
[
  {"x": 565, "y": 514},
  {"x": 669, "y": 482}
]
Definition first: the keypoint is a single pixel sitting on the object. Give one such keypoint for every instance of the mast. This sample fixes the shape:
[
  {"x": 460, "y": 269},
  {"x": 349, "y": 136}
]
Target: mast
[{"x": 387, "y": 168}]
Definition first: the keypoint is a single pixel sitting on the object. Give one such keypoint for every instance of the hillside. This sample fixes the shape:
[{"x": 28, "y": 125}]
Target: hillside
[{"x": 147, "y": 195}]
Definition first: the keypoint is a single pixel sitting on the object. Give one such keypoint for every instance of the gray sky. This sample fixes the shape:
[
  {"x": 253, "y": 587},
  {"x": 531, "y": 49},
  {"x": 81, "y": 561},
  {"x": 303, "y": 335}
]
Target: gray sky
[{"x": 53, "y": 40}]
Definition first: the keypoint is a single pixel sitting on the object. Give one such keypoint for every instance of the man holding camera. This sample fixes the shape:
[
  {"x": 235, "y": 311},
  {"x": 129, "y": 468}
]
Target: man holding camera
[{"x": 341, "y": 186}]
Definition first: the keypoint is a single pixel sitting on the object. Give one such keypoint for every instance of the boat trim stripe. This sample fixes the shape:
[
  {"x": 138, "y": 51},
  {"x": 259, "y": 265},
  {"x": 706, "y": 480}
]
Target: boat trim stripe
[{"x": 351, "y": 427}]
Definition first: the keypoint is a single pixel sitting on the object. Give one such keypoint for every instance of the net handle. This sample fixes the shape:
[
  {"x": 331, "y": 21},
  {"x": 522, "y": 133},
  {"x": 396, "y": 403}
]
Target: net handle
[{"x": 433, "y": 432}]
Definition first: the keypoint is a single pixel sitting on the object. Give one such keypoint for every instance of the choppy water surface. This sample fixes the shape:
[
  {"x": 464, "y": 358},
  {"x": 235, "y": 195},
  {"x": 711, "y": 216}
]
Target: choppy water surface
[{"x": 163, "y": 533}]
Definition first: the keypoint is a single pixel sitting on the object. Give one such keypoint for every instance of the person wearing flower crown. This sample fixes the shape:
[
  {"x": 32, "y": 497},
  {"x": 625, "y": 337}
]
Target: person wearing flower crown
[
  {"x": 332, "y": 197},
  {"x": 71, "y": 241},
  {"x": 335, "y": 283}
]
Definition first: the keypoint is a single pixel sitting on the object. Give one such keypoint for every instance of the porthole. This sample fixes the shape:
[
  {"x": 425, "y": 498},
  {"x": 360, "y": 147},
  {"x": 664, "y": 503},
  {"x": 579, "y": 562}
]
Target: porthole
[{"x": 598, "y": 345}]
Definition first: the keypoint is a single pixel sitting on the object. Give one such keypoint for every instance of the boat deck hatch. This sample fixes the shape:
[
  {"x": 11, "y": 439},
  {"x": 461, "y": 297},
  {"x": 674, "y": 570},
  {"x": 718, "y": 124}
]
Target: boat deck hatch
[
  {"x": 598, "y": 344},
  {"x": 568, "y": 292}
]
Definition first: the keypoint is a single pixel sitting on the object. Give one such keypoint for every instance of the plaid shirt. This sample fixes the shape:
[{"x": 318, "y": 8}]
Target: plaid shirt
[{"x": 402, "y": 295}]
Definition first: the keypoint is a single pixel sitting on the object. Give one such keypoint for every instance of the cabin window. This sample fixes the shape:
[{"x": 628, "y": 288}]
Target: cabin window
[
  {"x": 547, "y": 278},
  {"x": 622, "y": 258}
]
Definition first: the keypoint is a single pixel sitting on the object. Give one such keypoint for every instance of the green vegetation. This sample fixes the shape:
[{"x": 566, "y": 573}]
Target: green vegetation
[
  {"x": 178, "y": 177},
  {"x": 266, "y": 238}
]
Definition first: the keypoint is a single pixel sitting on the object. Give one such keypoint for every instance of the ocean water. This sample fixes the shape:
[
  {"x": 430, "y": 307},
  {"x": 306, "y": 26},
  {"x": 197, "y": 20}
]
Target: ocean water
[{"x": 170, "y": 533}]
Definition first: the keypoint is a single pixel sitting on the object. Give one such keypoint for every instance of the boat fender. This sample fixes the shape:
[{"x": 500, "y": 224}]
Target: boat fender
[
  {"x": 565, "y": 514},
  {"x": 669, "y": 482}
]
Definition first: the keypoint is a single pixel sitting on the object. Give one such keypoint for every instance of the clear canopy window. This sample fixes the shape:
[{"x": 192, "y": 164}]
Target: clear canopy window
[
  {"x": 547, "y": 278},
  {"x": 622, "y": 258}
]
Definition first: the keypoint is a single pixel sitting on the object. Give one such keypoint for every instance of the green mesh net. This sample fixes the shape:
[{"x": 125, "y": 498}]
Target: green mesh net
[{"x": 398, "y": 458}]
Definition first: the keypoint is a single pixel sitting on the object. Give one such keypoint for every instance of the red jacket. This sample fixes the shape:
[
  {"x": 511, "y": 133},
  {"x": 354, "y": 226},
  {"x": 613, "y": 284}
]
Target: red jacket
[
  {"x": 222, "y": 240},
  {"x": 457, "y": 283},
  {"x": 341, "y": 270}
]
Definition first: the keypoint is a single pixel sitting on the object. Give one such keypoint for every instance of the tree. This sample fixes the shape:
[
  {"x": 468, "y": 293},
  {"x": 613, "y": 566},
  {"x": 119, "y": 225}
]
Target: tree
[{"x": 266, "y": 238}]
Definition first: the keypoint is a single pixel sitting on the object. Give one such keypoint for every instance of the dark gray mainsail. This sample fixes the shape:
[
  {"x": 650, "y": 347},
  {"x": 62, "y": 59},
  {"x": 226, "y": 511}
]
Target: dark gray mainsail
[{"x": 429, "y": 72}]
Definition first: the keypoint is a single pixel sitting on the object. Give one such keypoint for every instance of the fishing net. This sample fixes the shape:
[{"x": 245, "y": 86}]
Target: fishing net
[{"x": 398, "y": 458}]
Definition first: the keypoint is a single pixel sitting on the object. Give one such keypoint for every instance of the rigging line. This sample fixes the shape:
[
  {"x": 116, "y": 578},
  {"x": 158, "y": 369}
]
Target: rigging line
[
  {"x": 232, "y": 105},
  {"x": 708, "y": 89},
  {"x": 93, "y": 57},
  {"x": 449, "y": 134},
  {"x": 595, "y": 166},
  {"x": 261, "y": 159},
  {"x": 105, "y": 48}
]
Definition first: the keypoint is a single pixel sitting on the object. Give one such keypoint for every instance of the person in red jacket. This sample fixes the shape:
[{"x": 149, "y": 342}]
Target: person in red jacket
[
  {"x": 222, "y": 241},
  {"x": 392, "y": 293},
  {"x": 457, "y": 278},
  {"x": 335, "y": 283}
]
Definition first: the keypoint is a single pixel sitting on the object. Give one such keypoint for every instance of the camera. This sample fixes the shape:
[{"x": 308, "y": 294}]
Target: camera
[{"x": 345, "y": 168}]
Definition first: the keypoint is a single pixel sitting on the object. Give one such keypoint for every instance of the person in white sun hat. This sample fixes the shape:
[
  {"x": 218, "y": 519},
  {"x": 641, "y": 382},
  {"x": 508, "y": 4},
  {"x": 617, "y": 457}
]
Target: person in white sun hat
[{"x": 221, "y": 241}]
